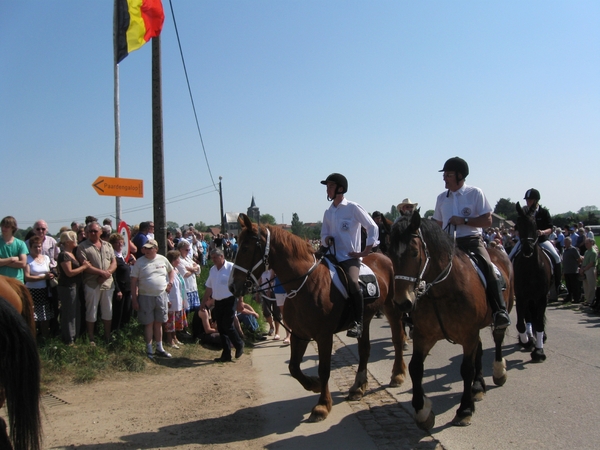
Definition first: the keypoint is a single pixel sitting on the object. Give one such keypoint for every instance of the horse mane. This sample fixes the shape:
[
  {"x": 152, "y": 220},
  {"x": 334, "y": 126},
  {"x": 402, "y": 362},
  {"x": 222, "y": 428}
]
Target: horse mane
[
  {"x": 291, "y": 243},
  {"x": 437, "y": 240}
]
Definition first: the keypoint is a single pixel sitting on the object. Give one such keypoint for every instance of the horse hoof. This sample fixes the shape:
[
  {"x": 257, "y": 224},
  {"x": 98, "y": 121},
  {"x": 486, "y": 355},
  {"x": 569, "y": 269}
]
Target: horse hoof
[
  {"x": 355, "y": 395},
  {"x": 428, "y": 423},
  {"x": 499, "y": 381},
  {"x": 318, "y": 414},
  {"x": 397, "y": 381},
  {"x": 460, "y": 421},
  {"x": 499, "y": 375},
  {"x": 538, "y": 355},
  {"x": 478, "y": 396}
]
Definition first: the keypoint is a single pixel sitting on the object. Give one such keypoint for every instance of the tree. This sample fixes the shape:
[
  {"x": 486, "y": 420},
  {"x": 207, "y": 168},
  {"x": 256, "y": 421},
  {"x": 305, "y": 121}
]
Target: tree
[
  {"x": 506, "y": 209},
  {"x": 297, "y": 227},
  {"x": 393, "y": 214},
  {"x": 267, "y": 219},
  {"x": 201, "y": 226},
  {"x": 172, "y": 226},
  {"x": 428, "y": 213}
]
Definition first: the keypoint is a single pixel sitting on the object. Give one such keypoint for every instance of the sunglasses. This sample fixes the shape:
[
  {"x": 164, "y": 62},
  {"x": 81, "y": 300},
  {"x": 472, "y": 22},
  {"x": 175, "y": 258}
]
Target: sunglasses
[
  {"x": 40, "y": 229},
  {"x": 93, "y": 231}
]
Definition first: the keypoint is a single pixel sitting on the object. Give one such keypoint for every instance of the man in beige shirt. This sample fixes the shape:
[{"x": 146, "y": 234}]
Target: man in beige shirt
[{"x": 97, "y": 280}]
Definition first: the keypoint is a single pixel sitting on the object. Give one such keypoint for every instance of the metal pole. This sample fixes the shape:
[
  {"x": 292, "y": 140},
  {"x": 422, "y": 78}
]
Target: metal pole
[
  {"x": 158, "y": 173},
  {"x": 117, "y": 117},
  {"x": 223, "y": 229}
]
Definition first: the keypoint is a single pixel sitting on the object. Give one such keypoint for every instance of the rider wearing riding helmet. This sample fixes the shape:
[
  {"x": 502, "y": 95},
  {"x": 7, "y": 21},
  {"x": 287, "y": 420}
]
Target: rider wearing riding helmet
[
  {"x": 465, "y": 210},
  {"x": 341, "y": 229},
  {"x": 543, "y": 222}
]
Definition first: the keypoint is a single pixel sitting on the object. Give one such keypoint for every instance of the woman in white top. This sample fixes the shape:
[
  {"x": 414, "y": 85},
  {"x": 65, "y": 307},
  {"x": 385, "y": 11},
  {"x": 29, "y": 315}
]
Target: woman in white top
[
  {"x": 188, "y": 269},
  {"x": 37, "y": 274}
]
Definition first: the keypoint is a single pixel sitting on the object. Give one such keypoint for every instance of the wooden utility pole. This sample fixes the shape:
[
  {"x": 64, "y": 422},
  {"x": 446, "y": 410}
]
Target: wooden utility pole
[{"x": 158, "y": 171}]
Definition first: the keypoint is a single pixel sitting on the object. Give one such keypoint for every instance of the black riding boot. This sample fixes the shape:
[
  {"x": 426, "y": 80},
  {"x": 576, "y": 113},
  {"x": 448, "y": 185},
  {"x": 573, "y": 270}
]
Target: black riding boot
[
  {"x": 496, "y": 300},
  {"x": 355, "y": 330},
  {"x": 557, "y": 277}
]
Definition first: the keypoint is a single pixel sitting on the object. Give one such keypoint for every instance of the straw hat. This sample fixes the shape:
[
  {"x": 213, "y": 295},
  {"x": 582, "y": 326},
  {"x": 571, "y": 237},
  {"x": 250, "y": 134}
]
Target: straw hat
[{"x": 406, "y": 201}]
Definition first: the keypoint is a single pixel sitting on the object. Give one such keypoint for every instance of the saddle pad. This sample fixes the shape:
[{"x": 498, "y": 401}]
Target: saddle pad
[
  {"x": 497, "y": 273},
  {"x": 366, "y": 278}
]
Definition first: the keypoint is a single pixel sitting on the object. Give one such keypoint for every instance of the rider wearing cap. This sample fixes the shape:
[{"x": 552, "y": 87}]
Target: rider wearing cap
[
  {"x": 543, "y": 222},
  {"x": 341, "y": 229},
  {"x": 464, "y": 209}
]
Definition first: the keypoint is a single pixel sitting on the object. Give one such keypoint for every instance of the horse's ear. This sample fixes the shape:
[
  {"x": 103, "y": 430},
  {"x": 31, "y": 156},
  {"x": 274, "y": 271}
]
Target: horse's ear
[
  {"x": 519, "y": 209},
  {"x": 415, "y": 220},
  {"x": 245, "y": 221}
]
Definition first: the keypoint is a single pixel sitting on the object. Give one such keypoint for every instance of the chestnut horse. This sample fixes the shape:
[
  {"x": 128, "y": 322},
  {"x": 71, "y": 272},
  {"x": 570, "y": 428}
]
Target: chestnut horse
[
  {"x": 436, "y": 281},
  {"x": 314, "y": 308},
  {"x": 19, "y": 379},
  {"x": 18, "y": 295},
  {"x": 533, "y": 280}
]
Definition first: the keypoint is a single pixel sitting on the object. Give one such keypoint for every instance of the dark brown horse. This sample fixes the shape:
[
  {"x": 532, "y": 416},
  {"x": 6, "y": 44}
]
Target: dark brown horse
[
  {"x": 19, "y": 379},
  {"x": 437, "y": 282},
  {"x": 533, "y": 280},
  {"x": 314, "y": 308}
]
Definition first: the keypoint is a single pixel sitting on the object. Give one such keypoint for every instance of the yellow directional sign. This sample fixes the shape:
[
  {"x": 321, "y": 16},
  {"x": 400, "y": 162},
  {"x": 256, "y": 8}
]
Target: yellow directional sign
[{"x": 119, "y": 187}]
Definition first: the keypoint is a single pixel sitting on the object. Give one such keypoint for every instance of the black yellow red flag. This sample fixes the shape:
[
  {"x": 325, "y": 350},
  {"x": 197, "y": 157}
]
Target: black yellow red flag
[{"x": 136, "y": 22}]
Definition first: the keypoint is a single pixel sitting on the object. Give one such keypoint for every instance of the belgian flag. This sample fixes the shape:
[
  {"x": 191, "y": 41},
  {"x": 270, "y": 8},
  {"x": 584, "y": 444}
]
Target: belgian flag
[{"x": 136, "y": 22}]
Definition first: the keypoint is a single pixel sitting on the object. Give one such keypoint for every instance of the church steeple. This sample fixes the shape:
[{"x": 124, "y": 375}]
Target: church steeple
[{"x": 253, "y": 211}]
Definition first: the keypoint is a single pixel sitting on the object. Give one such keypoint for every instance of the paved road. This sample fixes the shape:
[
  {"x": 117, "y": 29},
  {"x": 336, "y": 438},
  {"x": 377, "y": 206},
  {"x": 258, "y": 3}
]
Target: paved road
[{"x": 553, "y": 405}]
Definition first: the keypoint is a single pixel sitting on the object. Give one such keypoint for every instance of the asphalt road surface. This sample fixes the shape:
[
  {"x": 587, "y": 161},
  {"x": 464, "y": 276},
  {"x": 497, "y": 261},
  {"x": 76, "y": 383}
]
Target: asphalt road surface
[{"x": 552, "y": 405}]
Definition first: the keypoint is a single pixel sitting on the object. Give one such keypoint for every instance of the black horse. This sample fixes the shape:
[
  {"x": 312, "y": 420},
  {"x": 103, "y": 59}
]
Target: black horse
[{"x": 533, "y": 279}]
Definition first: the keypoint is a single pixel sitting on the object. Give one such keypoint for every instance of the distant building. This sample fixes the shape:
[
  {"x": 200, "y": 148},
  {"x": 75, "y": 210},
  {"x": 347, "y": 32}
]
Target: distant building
[{"x": 253, "y": 211}]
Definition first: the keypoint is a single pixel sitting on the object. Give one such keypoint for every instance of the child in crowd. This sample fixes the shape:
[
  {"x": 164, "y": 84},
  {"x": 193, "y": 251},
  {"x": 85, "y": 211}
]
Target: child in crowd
[{"x": 177, "y": 304}]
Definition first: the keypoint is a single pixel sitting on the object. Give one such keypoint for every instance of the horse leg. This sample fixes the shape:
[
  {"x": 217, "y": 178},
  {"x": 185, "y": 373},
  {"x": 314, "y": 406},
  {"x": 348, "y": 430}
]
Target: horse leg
[
  {"x": 424, "y": 415},
  {"x": 524, "y": 340},
  {"x": 478, "y": 388},
  {"x": 394, "y": 317},
  {"x": 323, "y": 407},
  {"x": 499, "y": 375},
  {"x": 297, "y": 350},
  {"x": 538, "y": 355},
  {"x": 358, "y": 389},
  {"x": 467, "y": 371}
]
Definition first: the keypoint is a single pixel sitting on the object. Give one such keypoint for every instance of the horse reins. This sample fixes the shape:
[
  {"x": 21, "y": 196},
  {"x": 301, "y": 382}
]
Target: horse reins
[{"x": 421, "y": 291}]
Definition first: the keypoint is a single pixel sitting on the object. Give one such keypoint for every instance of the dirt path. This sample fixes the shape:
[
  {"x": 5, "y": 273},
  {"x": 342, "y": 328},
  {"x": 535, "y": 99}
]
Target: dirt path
[{"x": 180, "y": 403}]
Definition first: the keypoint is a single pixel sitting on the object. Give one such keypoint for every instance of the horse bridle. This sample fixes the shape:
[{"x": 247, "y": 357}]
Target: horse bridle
[
  {"x": 264, "y": 260},
  {"x": 420, "y": 286}
]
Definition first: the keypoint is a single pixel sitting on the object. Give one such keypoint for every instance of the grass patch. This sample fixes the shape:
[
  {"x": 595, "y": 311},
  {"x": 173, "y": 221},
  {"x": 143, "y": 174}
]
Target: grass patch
[{"x": 125, "y": 353}]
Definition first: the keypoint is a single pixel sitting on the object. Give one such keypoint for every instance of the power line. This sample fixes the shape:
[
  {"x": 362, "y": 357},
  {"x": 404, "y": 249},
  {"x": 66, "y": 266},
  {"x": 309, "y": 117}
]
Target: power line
[{"x": 190, "y": 92}]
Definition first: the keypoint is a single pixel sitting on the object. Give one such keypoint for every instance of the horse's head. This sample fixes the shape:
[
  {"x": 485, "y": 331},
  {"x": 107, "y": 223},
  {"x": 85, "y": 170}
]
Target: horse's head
[
  {"x": 249, "y": 261},
  {"x": 527, "y": 230},
  {"x": 406, "y": 252}
]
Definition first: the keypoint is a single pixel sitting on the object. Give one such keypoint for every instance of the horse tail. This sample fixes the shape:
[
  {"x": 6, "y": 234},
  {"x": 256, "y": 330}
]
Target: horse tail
[{"x": 20, "y": 378}]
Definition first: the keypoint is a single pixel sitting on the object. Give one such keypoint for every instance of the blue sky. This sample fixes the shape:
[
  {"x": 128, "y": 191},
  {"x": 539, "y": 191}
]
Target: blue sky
[{"x": 289, "y": 91}]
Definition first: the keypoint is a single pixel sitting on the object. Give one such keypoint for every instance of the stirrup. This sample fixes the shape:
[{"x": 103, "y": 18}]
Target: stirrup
[
  {"x": 355, "y": 331},
  {"x": 501, "y": 320}
]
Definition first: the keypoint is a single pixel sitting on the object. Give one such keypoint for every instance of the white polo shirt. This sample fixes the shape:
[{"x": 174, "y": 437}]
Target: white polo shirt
[
  {"x": 468, "y": 201},
  {"x": 218, "y": 281}
]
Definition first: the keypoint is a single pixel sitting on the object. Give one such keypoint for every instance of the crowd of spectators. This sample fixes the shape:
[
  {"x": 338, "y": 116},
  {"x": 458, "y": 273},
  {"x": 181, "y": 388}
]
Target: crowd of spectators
[{"x": 88, "y": 274}]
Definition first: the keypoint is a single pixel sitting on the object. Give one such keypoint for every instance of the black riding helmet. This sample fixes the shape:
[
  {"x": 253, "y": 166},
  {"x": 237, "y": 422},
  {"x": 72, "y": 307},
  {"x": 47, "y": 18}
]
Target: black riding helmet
[
  {"x": 532, "y": 194},
  {"x": 340, "y": 181},
  {"x": 457, "y": 165}
]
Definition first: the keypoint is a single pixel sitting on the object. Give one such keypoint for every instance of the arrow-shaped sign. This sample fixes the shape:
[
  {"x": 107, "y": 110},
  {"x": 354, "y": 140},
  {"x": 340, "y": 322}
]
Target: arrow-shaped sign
[{"x": 119, "y": 187}]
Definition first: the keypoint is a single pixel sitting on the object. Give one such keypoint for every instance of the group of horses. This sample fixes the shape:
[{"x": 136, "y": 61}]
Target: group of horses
[{"x": 424, "y": 274}]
